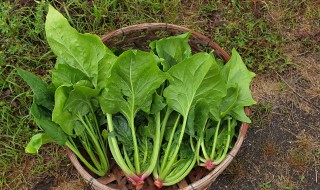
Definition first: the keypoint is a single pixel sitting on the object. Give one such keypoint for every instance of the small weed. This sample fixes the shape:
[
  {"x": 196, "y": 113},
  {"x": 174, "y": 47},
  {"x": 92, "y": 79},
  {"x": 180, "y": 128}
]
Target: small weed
[
  {"x": 266, "y": 185},
  {"x": 282, "y": 86}
]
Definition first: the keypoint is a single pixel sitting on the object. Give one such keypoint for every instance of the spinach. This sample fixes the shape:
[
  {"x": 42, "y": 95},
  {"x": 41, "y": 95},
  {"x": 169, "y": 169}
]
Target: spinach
[
  {"x": 68, "y": 112},
  {"x": 130, "y": 88},
  {"x": 160, "y": 112}
]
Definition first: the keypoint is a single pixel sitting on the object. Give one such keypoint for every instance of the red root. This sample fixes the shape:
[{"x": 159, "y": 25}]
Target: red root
[
  {"x": 209, "y": 165},
  {"x": 158, "y": 183},
  {"x": 137, "y": 182},
  {"x": 139, "y": 185}
]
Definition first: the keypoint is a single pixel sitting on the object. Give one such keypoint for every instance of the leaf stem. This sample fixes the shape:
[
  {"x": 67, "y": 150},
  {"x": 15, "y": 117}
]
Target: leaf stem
[
  {"x": 175, "y": 154},
  {"x": 115, "y": 150},
  {"x": 156, "y": 148},
  {"x": 90, "y": 130},
  {"x": 175, "y": 179},
  {"x": 83, "y": 160},
  {"x": 126, "y": 157},
  {"x": 135, "y": 144},
  {"x": 227, "y": 144},
  {"x": 215, "y": 141},
  {"x": 164, "y": 122},
  {"x": 166, "y": 154}
]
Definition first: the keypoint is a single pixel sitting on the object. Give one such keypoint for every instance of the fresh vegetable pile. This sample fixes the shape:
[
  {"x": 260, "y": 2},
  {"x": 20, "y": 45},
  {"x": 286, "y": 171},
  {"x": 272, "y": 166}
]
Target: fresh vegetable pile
[{"x": 161, "y": 112}]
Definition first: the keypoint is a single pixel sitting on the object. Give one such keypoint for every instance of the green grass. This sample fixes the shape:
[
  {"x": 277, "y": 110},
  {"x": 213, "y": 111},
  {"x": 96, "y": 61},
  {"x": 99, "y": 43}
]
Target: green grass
[{"x": 257, "y": 29}]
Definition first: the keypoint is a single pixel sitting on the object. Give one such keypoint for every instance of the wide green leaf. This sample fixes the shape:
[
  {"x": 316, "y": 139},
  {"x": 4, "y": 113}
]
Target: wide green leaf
[
  {"x": 43, "y": 95},
  {"x": 236, "y": 72},
  {"x": 239, "y": 114},
  {"x": 194, "y": 78},
  {"x": 81, "y": 51},
  {"x": 134, "y": 79},
  {"x": 104, "y": 71}
]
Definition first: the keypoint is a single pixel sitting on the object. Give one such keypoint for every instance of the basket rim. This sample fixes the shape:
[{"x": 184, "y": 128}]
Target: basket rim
[{"x": 210, "y": 177}]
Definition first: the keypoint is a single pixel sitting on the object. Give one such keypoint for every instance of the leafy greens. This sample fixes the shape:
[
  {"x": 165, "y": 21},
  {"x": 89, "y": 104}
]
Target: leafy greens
[{"x": 160, "y": 112}]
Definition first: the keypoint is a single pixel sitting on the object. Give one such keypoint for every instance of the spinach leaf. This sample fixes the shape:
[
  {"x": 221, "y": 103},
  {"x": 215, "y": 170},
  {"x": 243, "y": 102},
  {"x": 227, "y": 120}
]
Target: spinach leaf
[
  {"x": 193, "y": 79},
  {"x": 133, "y": 81},
  {"x": 43, "y": 95},
  {"x": 61, "y": 116},
  {"x": 123, "y": 132},
  {"x": 50, "y": 128},
  {"x": 236, "y": 73},
  {"x": 64, "y": 74},
  {"x": 80, "y": 51},
  {"x": 172, "y": 50},
  {"x": 36, "y": 142}
]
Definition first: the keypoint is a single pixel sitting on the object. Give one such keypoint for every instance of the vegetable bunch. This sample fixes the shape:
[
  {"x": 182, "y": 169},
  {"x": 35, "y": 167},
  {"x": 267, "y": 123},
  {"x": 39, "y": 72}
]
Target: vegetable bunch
[{"x": 160, "y": 112}]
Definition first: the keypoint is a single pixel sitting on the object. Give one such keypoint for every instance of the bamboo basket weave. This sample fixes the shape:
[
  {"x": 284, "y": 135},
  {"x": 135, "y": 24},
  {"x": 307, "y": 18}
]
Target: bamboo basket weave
[{"x": 138, "y": 37}]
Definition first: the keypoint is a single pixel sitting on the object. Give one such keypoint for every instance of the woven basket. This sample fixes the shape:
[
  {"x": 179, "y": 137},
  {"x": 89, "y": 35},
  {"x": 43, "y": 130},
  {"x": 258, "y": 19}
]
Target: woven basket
[{"x": 138, "y": 37}]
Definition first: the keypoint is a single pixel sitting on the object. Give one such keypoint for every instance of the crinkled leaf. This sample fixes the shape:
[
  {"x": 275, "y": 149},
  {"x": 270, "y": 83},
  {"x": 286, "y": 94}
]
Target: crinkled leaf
[
  {"x": 147, "y": 131},
  {"x": 134, "y": 79},
  {"x": 185, "y": 151},
  {"x": 172, "y": 50},
  {"x": 146, "y": 149},
  {"x": 43, "y": 95},
  {"x": 123, "y": 132},
  {"x": 36, "y": 142}
]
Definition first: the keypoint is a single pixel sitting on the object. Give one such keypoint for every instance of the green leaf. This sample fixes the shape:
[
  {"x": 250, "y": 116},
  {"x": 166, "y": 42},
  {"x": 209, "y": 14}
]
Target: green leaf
[
  {"x": 36, "y": 142},
  {"x": 104, "y": 71},
  {"x": 202, "y": 110},
  {"x": 50, "y": 128},
  {"x": 157, "y": 104},
  {"x": 64, "y": 74},
  {"x": 43, "y": 96},
  {"x": 173, "y": 49},
  {"x": 80, "y": 51},
  {"x": 239, "y": 114},
  {"x": 60, "y": 115},
  {"x": 223, "y": 135},
  {"x": 229, "y": 100},
  {"x": 236, "y": 72},
  {"x": 194, "y": 78},
  {"x": 123, "y": 132},
  {"x": 80, "y": 100},
  {"x": 134, "y": 79}
]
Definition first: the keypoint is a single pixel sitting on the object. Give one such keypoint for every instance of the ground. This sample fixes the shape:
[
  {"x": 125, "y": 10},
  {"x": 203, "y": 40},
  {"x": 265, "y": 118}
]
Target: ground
[{"x": 278, "y": 39}]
